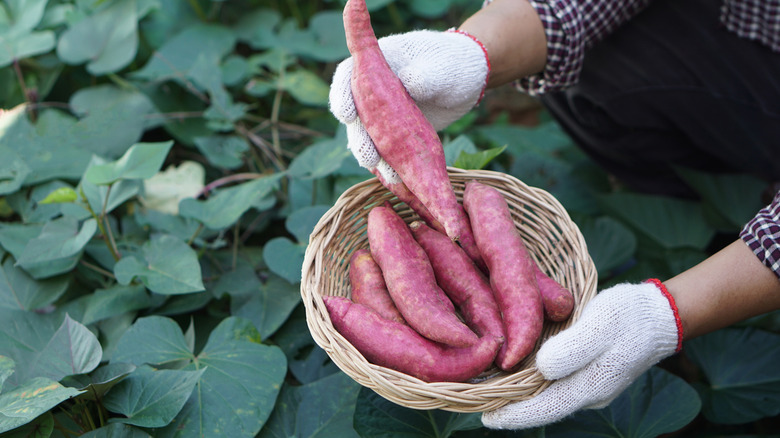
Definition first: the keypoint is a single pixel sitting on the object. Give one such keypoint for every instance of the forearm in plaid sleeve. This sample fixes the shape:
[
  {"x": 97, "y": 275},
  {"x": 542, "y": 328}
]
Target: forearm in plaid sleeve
[{"x": 762, "y": 235}]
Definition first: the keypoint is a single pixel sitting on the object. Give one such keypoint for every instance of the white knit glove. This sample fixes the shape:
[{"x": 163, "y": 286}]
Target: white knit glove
[
  {"x": 621, "y": 333},
  {"x": 444, "y": 72}
]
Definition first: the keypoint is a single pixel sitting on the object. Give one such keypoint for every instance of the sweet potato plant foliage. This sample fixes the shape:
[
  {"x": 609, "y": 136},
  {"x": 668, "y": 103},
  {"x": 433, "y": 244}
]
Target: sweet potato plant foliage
[{"x": 162, "y": 163}]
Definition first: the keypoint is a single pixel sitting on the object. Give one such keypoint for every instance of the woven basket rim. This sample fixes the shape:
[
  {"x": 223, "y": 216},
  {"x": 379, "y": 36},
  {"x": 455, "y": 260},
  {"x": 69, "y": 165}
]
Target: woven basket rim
[{"x": 564, "y": 256}]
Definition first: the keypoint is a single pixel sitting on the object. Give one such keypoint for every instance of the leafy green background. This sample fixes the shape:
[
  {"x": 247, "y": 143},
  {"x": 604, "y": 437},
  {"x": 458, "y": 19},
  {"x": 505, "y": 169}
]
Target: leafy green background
[{"x": 162, "y": 163}]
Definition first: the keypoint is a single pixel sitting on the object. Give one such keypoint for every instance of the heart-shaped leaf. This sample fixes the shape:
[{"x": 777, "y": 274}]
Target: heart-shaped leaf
[
  {"x": 151, "y": 398},
  {"x": 319, "y": 409},
  {"x": 59, "y": 239},
  {"x": 141, "y": 161},
  {"x": 154, "y": 340},
  {"x": 226, "y": 206},
  {"x": 73, "y": 349},
  {"x": 18, "y": 290},
  {"x": 169, "y": 267},
  {"x": 35, "y": 397},
  {"x": 740, "y": 366}
]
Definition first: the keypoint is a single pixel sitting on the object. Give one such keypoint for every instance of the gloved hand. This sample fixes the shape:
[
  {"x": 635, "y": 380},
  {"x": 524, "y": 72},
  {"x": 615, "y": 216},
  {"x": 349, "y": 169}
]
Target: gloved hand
[
  {"x": 444, "y": 72},
  {"x": 621, "y": 333}
]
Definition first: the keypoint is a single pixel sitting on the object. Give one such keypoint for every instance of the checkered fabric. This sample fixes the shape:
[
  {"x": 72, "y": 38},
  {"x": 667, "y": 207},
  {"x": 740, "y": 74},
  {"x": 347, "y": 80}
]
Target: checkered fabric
[
  {"x": 762, "y": 235},
  {"x": 572, "y": 26}
]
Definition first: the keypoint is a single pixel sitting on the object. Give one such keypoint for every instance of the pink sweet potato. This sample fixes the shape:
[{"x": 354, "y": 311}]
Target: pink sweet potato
[
  {"x": 402, "y": 134},
  {"x": 511, "y": 271},
  {"x": 558, "y": 301},
  {"x": 397, "y": 346},
  {"x": 411, "y": 281},
  {"x": 461, "y": 280},
  {"x": 368, "y": 286}
]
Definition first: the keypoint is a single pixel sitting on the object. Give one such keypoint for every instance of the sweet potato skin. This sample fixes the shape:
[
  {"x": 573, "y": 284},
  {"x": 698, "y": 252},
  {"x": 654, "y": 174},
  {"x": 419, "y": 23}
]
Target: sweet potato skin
[
  {"x": 368, "y": 285},
  {"x": 558, "y": 301},
  {"x": 411, "y": 281},
  {"x": 461, "y": 280},
  {"x": 511, "y": 271},
  {"x": 397, "y": 346},
  {"x": 401, "y": 133}
]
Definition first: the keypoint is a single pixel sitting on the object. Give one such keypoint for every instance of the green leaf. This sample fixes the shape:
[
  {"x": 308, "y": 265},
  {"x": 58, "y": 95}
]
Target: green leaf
[
  {"x": 306, "y": 87},
  {"x": 226, "y": 206},
  {"x": 59, "y": 239},
  {"x": 742, "y": 379},
  {"x": 73, "y": 349},
  {"x": 610, "y": 243},
  {"x": 111, "y": 119},
  {"x": 478, "y": 160},
  {"x": 300, "y": 223},
  {"x": 307, "y": 362},
  {"x": 61, "y": 195},
  {"x": 151, "y": 398},
  {"x": 116, "y": 300},
  {"x": 321, "y": 159},
  {"x": 667, "y": 221},
  {"x": 169, "y": 266},
  {"x": 268, "y": 306},
  {"x": 154, "y": 340},
  {"x": 223, "y": 151},
  {"x": 13, "y": 170},
  {"x": 320, "y": 409},
  {"x": 141, "y": 161},
  {"x": 18, "y": 290},
  {"x": 116, "y": 430},
  {"x": 67, "y": 160},
  {"x": 41, "y": 427},
  {"x": 378, "y": 417},
  {"x": 35, "y": 397},
  {"x": 736, "y": 198},
  {"x": 237, "y": 392},
  {"x": 17, "y": 39},
  {"x": 15, "y": 237},
  {"x": 453, "y": 149},
  {"x": 657, "y": 403},
  {"x": 98, "y": 382},
  {"x": 107, "y": 39},
  {"x": 179, "y": 54},
  {"x": 6, "y": 369},
  {"x": 285, "y": 258},
  {"x": 547, "y": 137}
]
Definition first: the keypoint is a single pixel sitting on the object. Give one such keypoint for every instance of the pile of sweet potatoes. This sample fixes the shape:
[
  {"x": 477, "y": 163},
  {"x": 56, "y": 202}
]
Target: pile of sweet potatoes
[
  {"x": 422, "y": 306},
  {"x": 446, "y": 297}
]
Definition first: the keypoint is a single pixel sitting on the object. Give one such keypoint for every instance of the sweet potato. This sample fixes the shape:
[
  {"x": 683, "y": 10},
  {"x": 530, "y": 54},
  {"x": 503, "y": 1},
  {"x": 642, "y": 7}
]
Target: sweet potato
[
  {"x": 461, "y": 280},
  {"x": 397, "y": 346},
  {"x": 368, "y": 286},
  {"x": 411, "y": 281},
  {"x": 558, "y": 301},
  {"x": 511, "y": 271},
  {"x": 402, "y": 134}
]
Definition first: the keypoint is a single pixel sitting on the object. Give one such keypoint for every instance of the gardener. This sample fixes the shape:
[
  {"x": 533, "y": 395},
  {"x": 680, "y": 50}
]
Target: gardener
[{"x": 641, "y": 88}]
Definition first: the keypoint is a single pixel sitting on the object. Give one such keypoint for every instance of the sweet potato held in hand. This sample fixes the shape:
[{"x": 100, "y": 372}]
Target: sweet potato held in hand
[
  {"x": 401, "y": 133},
  {"x": 397, "y": 346},
  {"x": 411, "y": 281},
  {"x": 511, "y": 271}
]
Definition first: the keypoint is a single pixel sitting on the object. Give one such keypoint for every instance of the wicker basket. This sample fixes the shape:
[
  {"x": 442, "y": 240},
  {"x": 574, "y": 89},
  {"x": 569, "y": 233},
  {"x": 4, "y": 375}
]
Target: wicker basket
[{"x": 552, "y": 238}]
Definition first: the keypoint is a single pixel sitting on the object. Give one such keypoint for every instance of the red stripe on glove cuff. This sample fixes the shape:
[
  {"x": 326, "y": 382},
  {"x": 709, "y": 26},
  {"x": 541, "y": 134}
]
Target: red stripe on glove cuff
[
  {"x": 487, "y": 58},
  {"x": 676, "y": 312}
]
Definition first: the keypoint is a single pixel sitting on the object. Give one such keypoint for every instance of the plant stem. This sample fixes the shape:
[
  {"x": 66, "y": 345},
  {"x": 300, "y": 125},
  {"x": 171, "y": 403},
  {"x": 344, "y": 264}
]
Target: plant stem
[
  {"x": 96, "y": 268},
  {"x": 104, "y": 217},
  {"x": 198, "y": 10},
  {"x": 102, "y": 229},
  {"x": 195, "y": 234},
  {"x": 227, "y": 180},
  {"x": 25, "y": 90}
]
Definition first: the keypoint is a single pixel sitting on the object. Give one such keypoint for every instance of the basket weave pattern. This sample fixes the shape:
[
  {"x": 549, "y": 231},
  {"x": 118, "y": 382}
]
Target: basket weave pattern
[{"x": 553, "y": 240}]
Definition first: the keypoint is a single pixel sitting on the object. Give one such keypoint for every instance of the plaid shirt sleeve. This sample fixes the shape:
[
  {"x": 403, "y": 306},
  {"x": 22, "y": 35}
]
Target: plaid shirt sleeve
[
  {"x": 762, "y": 235},
  {"x": 573, "y": 26}
]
